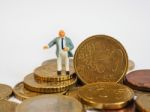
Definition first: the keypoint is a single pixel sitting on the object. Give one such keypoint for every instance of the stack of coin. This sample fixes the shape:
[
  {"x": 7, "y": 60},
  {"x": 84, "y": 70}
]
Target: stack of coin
[
  {"x": 101, "y": 62},
  {"x": 44, "y": 80}
]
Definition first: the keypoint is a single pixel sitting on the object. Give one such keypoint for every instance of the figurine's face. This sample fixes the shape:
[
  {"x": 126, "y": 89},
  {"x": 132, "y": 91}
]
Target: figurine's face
[{"x": 61, "y": 33}]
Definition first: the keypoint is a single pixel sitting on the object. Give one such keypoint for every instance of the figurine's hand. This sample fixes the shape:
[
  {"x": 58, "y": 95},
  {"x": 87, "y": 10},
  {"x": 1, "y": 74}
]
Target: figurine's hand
[
  {"x": 45, "y": 47},
  {"x": 66, "y": 49}
]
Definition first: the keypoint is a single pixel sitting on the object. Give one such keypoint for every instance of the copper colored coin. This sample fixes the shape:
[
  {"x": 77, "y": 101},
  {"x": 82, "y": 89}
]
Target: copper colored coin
[
  {"x": 47, "y": 87},
  {"x": 100, "y": 58},
  {"x": 48, "y": 72},
  {"x": 139, "y": 80},
  {"x": 22, "y": 93},
  {"x": 50, "y": 103},
  {"x": 7, "y": 106},
  {"x": 143, "y": 103},
  {"x": 5, "y": 91}
]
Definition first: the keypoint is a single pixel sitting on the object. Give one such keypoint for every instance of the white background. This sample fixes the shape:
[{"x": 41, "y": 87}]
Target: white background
[{"x": 27, "y": 25}]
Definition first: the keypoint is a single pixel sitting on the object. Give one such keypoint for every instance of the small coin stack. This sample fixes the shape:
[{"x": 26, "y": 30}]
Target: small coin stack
[{"x": 44, "y": 80}]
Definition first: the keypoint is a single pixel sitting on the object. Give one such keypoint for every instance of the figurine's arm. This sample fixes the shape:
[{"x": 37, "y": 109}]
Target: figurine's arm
[
  {"x": 53, "y": 42},
  {"x": 50, "y": 44}
]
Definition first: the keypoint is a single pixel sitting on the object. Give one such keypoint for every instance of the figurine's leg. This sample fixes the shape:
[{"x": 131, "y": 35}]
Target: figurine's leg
[
  {"x": 59, "y": 65},
  {"x": 67, "y": 63}
]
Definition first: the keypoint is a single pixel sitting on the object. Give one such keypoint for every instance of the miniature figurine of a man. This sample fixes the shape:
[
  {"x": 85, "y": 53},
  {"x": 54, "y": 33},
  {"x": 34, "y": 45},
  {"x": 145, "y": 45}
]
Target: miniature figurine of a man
[{"x": 64, "y": 46}]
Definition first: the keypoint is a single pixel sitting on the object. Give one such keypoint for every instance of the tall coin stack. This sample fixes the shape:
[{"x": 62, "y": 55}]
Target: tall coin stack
[{"x": 44, "y": 80}]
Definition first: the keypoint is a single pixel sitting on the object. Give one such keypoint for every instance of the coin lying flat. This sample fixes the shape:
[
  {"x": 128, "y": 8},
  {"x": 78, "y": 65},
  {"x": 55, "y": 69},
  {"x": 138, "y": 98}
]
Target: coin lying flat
[
  {"x": 47, "y": 87},
  {"x": 131, "y": 65},
  {"x": 7, "y": 106},
  {"x": 100, "y": 58},
  {"x": 48, "y": 72},
  {"x": 5, "y": 91},
  {"x": 143, "y": 103},
  {"x": 105, "y": 95},
  {"x": 22, "y": 93},
  {"x": 139, "y": 80},
  {"x": 50, "y": 103},
  {"x": 129, "y": 108}
]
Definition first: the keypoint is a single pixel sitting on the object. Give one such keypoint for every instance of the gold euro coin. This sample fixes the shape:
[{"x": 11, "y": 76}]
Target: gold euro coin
[
  {"x": 7, "y": 106},
  {"x": 47, "y": 87},
  {"x": 105, "y": 95},
  {"x": 50, "y": 103},
  {"x": 5, "y": 91},
  {"x": 100, "y": 58},
  {"x": 48, "y": 72},
  {"x": 143, "y": 103},
  {"x": 128, "y": 108},
  {"x": 22, "y": 93},
  {"x": 131, "y": 65}
]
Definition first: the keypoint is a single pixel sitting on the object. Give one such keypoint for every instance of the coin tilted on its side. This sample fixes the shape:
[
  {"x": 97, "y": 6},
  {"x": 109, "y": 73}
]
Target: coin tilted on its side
[
  {"x": 105, "y": 95},
  {"x": 50, "y": 103},
  {"x": 47, "y": 87},
  {"x": 48, "y": 72},
  {"x": 143, "y": 103},
  {"x": 139, "y": 80},
  {"x": 7, "y": 106},
  {"x": 22, "y": 93},
  {"x": 131, "y": 65},
  {"x": 5, "y": 91},
  {"x": 100, "y": 58}
]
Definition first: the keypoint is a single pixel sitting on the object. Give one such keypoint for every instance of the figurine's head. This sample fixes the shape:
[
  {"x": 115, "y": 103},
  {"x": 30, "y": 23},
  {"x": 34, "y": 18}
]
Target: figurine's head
[{"x": 61, "y": 33}]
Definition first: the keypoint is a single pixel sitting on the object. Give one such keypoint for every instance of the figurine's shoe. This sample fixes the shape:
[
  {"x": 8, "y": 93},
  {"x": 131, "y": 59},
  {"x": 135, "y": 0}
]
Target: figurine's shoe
[
  {"x": 58, "y": 72},
  {"x": 67, "y": 72}
]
